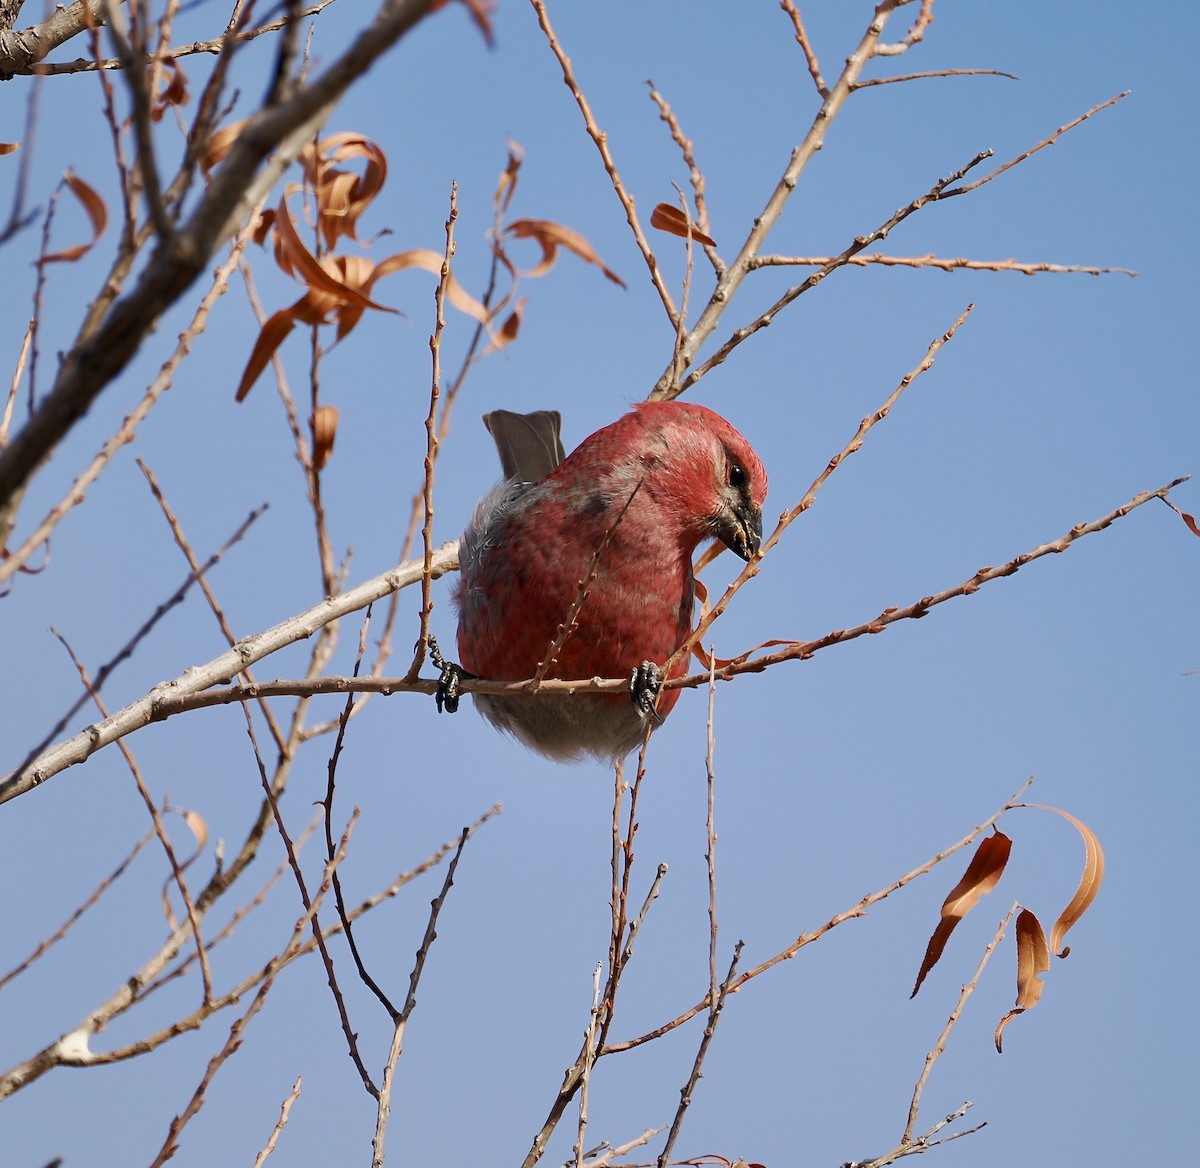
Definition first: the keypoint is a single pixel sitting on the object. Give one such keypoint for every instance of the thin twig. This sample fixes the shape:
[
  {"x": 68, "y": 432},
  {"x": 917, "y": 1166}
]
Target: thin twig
[
  {"x": 410, "y": 1004},
  {"x": 941, "y": 264},
  {"x": 570, "y": 621},
  {"x": 601, "y": 140},
  {"x": 805, "y": 939},
  {"x": 789, "y": 517},
  {"x": 726, "y": 287},
  {"x": 159, "y": 827},
  {"x": 859, "y": 244},
  {"x": 237, "y": 1030},
  {"x": 1050, "y": 141},
  {"x": 695, "y": 174},
  {"x": 200, "y": 575},
  {"x": 685, "y": 1093},
  {"x": 589, "y": 1046},
  {"x": 937, "y": 73},
  {"x": 277, "y": 1130},
  {"x": 61, "y": 931},
  {"x": 932, "y": 1056},
  {"x": 431, "y": 438},
  {"x": 318, "y": 935},
  {"x": 331, "y": 784},
  {"x": 710, "y": 834}
]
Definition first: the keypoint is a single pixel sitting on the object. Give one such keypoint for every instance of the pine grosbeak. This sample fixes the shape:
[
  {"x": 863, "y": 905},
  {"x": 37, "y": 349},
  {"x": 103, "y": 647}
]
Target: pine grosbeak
[{"x": 632, "y": 503}]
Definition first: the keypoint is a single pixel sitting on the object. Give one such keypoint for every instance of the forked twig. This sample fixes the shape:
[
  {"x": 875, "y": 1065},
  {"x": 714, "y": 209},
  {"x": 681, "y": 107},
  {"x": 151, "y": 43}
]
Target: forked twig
[
  {"x": 601, "y": 140},
  {"x": 805, "y": 939},
  {"x": 410, "y": 1002}
]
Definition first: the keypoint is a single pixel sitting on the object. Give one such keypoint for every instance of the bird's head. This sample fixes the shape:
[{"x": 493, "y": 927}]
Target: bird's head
[{"x": 706, "y": 471}]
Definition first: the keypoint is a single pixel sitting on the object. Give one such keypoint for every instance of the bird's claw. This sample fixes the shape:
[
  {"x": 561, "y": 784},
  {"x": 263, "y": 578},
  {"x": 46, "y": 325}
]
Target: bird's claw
[
  {"x": 645, "y": 682},
  {"x": 449, "y": 687}
]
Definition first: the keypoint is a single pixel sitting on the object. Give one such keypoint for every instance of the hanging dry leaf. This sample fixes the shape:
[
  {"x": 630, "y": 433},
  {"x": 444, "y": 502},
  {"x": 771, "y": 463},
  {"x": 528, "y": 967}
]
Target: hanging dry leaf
[
  {"x": 1033, "y": 959},
  {"x": 507, "y": 332},
  {"x": 672, "y": 220},
  {"x": 341, "y": 195},
  {"x": 174, "y": 89},
  {"x": 481, "y": 13},
  {"x": 324, "y": 431},
  {"x": 1089, "y": 882},
  {"x": 506, "y": 185},
  {"x": 550, "y": 236},
  {"x": 982, "y": 875},
  {"x": 220, "y": 144},
  {"x": 431, "y": 261},
  {"x": 298, "y": 261},
  {"x": 270, "y": 337},
  {"x": 9, "y": 147},
  {"x": 1189, "y": 520},
  {"x": 97, "y": 214}
]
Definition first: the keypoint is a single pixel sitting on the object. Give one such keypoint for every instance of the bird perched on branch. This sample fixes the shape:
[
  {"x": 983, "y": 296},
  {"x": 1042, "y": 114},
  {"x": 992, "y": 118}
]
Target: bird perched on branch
[{"x": 588, "y": 559}]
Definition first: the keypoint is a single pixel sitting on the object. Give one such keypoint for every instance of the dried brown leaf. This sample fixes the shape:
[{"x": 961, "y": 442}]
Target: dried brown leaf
[
  {"x": 982, "y": 875},
  {"x": 550, "y": 236},
  {"x": 299, "y": 261},
  {"x": 97, "y": 213},
  {"x": 274, "y": 329},
  {"x": 342, "y": 195},
  {"x": 174, "y": 89},
  {"x": 672, "y": 220},
  {"x": 481, "y": 13},
  {"x": 1033, "y": 959},
  {"x": 9, "y": 147},
  {"x": 220, "y": 144},
  {"x": 506, "y": 185},
  {"x": 324, "y": 431},
  {"x": 431, "y": 261},
  {"x": 262, "y": 228},
  {"x": 1089, "y": 881},
  {"x": 507, "y": 332}
]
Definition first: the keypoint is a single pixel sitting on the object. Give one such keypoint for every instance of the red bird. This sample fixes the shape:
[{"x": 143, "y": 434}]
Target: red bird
[{"x": 631, "y": 503}]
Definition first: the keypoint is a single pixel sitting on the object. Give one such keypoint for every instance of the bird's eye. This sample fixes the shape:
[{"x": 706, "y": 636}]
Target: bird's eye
[{"x": 737, "y": 475}]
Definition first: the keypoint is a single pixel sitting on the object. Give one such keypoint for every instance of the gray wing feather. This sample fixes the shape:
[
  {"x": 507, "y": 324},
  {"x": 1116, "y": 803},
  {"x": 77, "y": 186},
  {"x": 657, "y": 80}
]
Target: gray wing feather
[{"x": 529, "y": 444}]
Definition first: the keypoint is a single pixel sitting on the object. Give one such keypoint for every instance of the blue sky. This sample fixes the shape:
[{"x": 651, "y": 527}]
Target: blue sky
[{"x": 1058, "y": 400}]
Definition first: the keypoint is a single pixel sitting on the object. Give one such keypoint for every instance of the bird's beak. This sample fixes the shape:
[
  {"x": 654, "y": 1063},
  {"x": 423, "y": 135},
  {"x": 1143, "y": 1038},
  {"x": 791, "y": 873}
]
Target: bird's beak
[{"x": 740, "y": 530}]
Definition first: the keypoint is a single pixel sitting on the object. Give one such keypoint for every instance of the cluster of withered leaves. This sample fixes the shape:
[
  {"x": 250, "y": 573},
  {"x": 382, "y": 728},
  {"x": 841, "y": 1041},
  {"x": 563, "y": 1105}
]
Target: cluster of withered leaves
[
  {"x": 343, "y": 174},
  {"x": 1033, "y": 951}
]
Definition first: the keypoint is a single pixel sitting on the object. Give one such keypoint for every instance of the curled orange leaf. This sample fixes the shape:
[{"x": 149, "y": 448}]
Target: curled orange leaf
[
  {"x": 431, "y": 261},
  {"x": 97, "y": 214},
  {"x": 298, "y": 261},
  {"x": 9, "y": 147},
  {"x": 550, "y": 236},
  {"x": 672, "y": 220},
  {"x": 342, "y": 195},
  {"x": 1033, "y": 959},
  {"x": 1089, "y": 881},
  {"x": 324, "y": 431},
  {"x": 982, "y": 875}
]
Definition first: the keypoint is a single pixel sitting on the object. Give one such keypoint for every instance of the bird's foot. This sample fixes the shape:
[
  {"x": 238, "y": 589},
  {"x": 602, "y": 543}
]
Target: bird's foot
[
  {"x": 645, "y": 682},
  {"x": 449, "y": 687}
]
